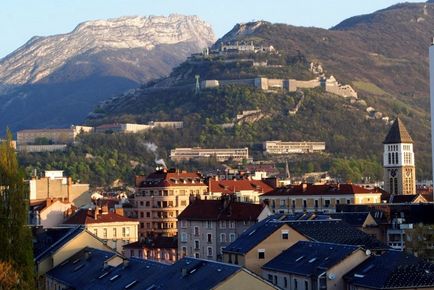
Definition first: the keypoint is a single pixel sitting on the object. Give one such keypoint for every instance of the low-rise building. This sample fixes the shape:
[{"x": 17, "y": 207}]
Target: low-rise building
[
  {"x": 160, "y": 249},
  {"x": 221, "y": 155},
  {"x": 313, "y": 265},
  {"x": 53, "y": 246},
  {"x": 50, "y": 212},
  {"x": 55, "y": 185},
  {"x": 318, "y": 197},
  {"x": 115, "y": 230},
  {"x": 161, "y": 196},
  {"x": 167, "y": 124},
  {"x": 265, "y": 240},
  {"x": 289, "y": 147},
  {"x": 244, "y": 190},
  {"x": 205, "y": 227},
  {"x": 122, "y": 128}
]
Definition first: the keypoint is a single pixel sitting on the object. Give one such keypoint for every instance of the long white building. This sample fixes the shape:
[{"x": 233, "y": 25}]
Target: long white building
[
  {"x": 282, "y": 147},
  {"x": 236, "y": 154}
]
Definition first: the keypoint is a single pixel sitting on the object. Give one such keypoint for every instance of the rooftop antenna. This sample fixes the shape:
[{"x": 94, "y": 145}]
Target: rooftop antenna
[{"x": 197, "y": 89}]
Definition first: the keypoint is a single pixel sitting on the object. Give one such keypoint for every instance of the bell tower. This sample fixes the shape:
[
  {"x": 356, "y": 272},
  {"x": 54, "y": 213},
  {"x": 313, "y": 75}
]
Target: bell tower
[{"x": 398, "y": 161}]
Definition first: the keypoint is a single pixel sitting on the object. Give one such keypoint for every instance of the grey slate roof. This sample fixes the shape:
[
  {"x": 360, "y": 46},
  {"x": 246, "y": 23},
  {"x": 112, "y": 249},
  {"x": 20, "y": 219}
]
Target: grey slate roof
[
  {"x": 81, "y": 268},
  {"x": 308, "y": 258},
  {"x": 392, "y": 270},
  {"x": 336, "y": 231},
  {"x": 137, "y": 274},
  {"x": 198, "y": 275},
  {"x": 397, "y": 134},
  {"x": 356, "y": 219},
  {"x": 50, "y": 240},
  {"x": 254, "y": 235}
]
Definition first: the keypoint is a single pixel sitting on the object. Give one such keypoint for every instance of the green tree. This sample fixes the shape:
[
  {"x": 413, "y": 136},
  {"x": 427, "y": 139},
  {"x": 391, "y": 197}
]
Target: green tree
[{"x": 15, "y": 236}]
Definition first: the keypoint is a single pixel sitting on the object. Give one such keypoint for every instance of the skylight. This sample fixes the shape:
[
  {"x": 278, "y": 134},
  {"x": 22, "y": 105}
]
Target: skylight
[
  {"x": 114, "y": 277},
  {"x": 103, "y": 275},
  {"x": 252, "y": 232},
  {"x": 299, "y": 258},
  {"x": 131, "y": 284},
  {"x": 359, "y": 275},
  {"x": 78, "y": 267},
  {"x": 312, "y": 260}
]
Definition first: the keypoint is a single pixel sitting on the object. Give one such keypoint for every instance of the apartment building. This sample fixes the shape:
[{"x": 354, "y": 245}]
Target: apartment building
[
  {"x": 318, "y": 197},
  {"x": 161, "y": 196},
  {"x": 115, "y": 230},
  {"x": 287, "y": 147},
  {"x": 207, "y": 226},
  {"x": 221, "y": 155},
  {"x": 244, "y": 190}
]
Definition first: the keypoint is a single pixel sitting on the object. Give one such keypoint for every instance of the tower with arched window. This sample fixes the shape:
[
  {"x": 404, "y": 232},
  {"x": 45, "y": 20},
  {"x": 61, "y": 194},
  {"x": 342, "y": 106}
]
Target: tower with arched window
[{"x": 398, "y": 161}]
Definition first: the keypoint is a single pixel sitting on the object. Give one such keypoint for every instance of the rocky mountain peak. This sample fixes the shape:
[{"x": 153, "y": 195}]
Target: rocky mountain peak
[{"x": 41, "y": 56}]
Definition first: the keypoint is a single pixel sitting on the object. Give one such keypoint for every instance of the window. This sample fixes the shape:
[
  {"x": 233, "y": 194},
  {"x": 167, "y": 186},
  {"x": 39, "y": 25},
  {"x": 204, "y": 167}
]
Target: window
[
  {"x": 124, "y": 232},
  {"x": 338, "y": 201},
  {"x": 127, "y": 231},
  {"x": 184, "y": 251},
  {"x": 282, "y": 203},
  {"x": 304, "y": 203},
  {"x": 115, "y": 233},
  {"x": 183, "y": 203},
  {"x": 148, "y": 214},
  {"x": 142, "y": 215},
  {"x": 142, "y": 225},
  {"x": 327, "y": 203},
  {"x": 316, "y": 203},
  {"x": 184, "y": 237},
  {"x": 183, "y": 224},
  {"x": 261, "y": 253},
  {"x": 390, "y": 158},
  {"x": 285, "y": 234},
  {"x": 306, "y": 285},
  {"x": 196, "y": 231},
  {"x": 295, "y": 284},
  {"x": 293, "y": 203},
  {"x": 232, "y": 224},
  {"x": 275, "y": 280},
  {"x": 95, "y": 231},
  {"x": 223, "y": 238},
  {"x": 196, "y": 245},
  {"x": 393, "y": 158},
  {"x": 209, "y": 251},
  {"x": 208, "y": 224},
  {"x": 196, "y": 255},
  {"x": 141, "y": 203},
  {"x": 270, "y": 277},
  {"x": 148, "y": 204},
  {"x": 231, "y": 237},
  {"x": 285, "y": 282},
  {"x": 209, "y": 238},
  {"x": 222, "y": 224}
]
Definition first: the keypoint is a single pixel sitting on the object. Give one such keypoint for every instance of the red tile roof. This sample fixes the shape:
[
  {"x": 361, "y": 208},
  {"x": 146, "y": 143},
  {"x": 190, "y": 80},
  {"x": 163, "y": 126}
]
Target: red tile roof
[
  {"x": 219, "y": 210},
  {"x": 86, "y": 216},
  {"x": 318, "y": 189},
  {"x": 231, "y": 186},
  {"x": 163, "y": 178}
]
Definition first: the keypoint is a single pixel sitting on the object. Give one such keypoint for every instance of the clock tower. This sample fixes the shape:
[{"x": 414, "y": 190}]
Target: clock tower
[{"x": 398, "y": 161}]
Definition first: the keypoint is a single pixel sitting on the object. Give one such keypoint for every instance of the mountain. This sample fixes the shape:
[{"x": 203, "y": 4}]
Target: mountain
[
  {"x": 55, "y": 81},
  {"x": 383, "y": 55}
]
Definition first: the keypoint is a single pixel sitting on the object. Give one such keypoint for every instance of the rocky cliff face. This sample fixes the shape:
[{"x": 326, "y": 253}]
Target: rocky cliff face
[{"x": 96, "y": 60}]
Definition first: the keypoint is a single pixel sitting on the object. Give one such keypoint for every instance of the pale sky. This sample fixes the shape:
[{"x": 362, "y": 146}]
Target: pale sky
[{"x": 22, "y": 19}]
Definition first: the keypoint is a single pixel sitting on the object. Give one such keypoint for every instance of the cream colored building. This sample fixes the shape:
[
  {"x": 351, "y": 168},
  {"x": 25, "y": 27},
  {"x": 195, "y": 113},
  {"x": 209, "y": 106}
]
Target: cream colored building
[
  {"x": 115, "y": 230},
  {"x": 221, "y": 155},
  {"x": 50, "y": 212},
  {"x": 55, "y": 185},
  {"x": 317, "y": 197},
  {"x": 287, "y": 147},
  {"x": 161, "y": 196}
]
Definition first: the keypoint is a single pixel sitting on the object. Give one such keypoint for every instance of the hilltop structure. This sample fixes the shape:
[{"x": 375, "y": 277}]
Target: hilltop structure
[{"x": 398, "y": 161}]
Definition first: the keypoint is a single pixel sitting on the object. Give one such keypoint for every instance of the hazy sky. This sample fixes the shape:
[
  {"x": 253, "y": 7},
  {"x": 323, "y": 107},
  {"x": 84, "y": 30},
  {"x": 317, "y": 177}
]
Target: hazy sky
[{"x": 22, "y": 19}]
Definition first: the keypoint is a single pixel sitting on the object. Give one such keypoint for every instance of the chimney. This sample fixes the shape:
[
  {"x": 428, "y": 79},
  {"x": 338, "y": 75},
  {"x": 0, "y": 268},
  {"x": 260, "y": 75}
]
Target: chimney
[
  {"x": 119, "y": 211},
  {"x": 125, "y": 263},
  {"x": 304, "y": 186},
  {"x": 105, "y": 208},
  {"x": 184, "y": 272},
  {"x": 87, "y": 255}
]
